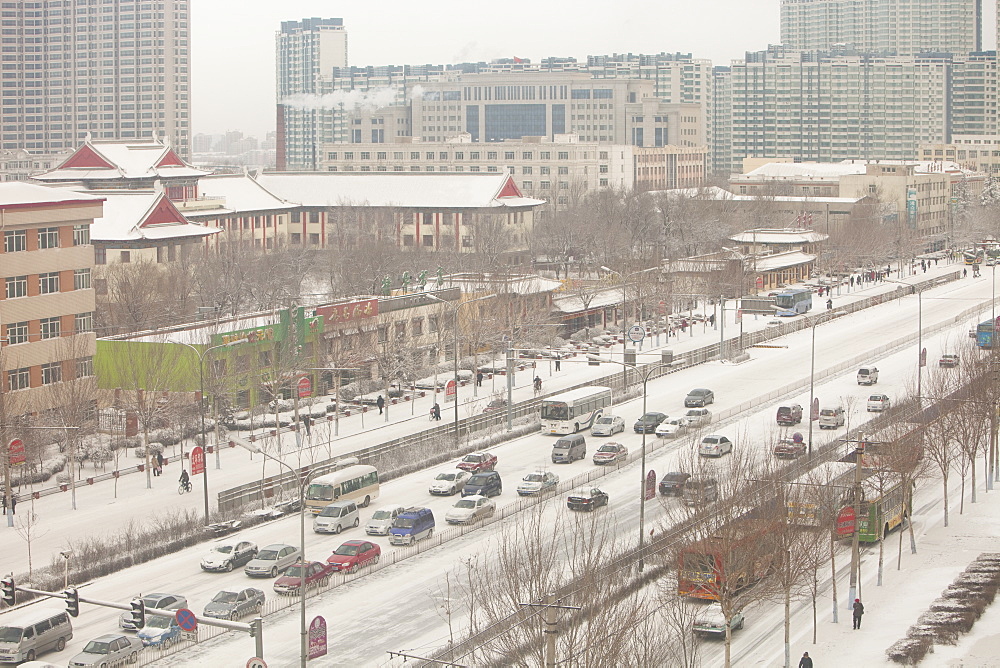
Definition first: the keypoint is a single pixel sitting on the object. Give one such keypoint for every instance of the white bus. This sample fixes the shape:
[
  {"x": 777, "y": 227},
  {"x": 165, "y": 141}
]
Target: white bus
[
  {"x": 358, "y": 482},
  {"x": 577, "y": 409}
]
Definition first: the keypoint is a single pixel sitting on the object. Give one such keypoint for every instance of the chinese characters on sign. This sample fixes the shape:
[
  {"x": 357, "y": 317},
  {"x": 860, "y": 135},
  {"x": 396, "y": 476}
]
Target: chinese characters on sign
[
  {"x": 339, "y": 313},
  {"x": 317, "y": 637},
  {"x": 197, "y": 460}
]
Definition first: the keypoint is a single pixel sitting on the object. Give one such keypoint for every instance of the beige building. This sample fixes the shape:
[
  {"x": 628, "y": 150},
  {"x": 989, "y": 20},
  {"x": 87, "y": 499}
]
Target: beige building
[
  {"x": 977, "y": 153},
  {"x": 47, "y": 306}
]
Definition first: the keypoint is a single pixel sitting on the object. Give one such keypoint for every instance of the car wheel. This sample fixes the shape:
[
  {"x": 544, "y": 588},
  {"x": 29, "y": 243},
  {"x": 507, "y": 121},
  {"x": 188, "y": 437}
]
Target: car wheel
[
  {"x": 324, "y": 582},
  {"x": 30, "y": 656},
  {"x": 576, "y": 427},
  {"x": 60, "y": 644},
  {"x": 274, "y": 571},
  {"x": 167, "y": 642},
  {"x": 229, "y": 566},
  {"x": 338, "y": 529},
  {"x": 430, "y": 533},
  {"x": 353, "y": 569},
  {"x": 233, "y": 616},
  {"x": 103, "y": 665},
  {"x": 375, "y": 559},
  {"x": 133, "y": 657},
  {"x": 357, "y": 521},
  {"x": 499, "y": 491},
  {"x": 367, "y": 500}
]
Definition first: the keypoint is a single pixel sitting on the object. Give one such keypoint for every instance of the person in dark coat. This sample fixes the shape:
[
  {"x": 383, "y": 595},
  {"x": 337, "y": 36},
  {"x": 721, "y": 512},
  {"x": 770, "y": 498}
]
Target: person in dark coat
[
  {"x": 859, "y": 609},
  {"x": 13, "y": 504},
  {"x": 558, "y": 360},
  {"x": 380, "y": 402},
  {"x": 479, "y": 379},
  {"x": 806, "y": 661},
  {"x": 436, "y": 411},
  {"x": 307, "y": 423},
  {"x": 158, "y": 460}
]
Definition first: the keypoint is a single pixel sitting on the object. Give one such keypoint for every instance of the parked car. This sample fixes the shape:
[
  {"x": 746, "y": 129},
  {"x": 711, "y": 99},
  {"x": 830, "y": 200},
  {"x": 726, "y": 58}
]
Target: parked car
[
  {"x": 486, "y": 483},
  {"x": 538, "y": 482},
  {"x": 611, "y": 453},
  {"x": 649, "y": 422},
  {"x": 672, "y": 484},
  {"x": 698, "y": 417},
  {"x": 478, "y": 461},
  {"x": 226, "y": 555},
  {"x": 789, "y": 415},
  {"x": 317, "y": 574},
  {"x": 699, "y": 491},
  {"x": 108, "y": 650},
  {"x": 948, "y": 361},
  {"x": 33, "y": 631},
  {"x": 232, "y": 605},
  {"x": 498, "y": 404},
  {"x": 354, "y": 554},
  {"x": 382, "y": 520},
  {"x": 587, "y": 499},
  {"x": 878, "y": 403},
  {"x": 568, "y": 449},
  {"x": 448, "y": 483},
  {"x": 154, "y": 602},
  {"x": 867, "y": 375},
  {"x": 272, "y": 560},
  {"x": 832, "y": 417},
  {"x": 336, "y": 517},
  {"x": 715, "y": 445},
  {"x": 711, "y": 621},
  {"x": 414, "y": 524},
  {"x": 608, "y": 425},
  {"x": 790, "y": 448},
  {"x": 159, "y": 631},
  {"x": 699, "y": 398},
  {"x": 470, "y": 509},
  {"x": 671, "y": 427}
]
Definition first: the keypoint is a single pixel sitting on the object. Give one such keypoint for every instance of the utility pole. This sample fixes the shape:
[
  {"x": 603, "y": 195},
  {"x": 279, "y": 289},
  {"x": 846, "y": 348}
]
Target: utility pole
[
  {"x": 551, "y": 625},
  {"x": 859, "y": 452}
]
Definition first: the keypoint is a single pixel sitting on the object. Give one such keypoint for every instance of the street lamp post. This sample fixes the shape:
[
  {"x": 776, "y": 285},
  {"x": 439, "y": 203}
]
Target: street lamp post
[
  {"x": 201, "y": 410},
  {"x": 645, "y": 372},
  {"x": 812, "y": 372},
  {"x": 303, "y": 481},
  {"x": 454, "y": 309}
]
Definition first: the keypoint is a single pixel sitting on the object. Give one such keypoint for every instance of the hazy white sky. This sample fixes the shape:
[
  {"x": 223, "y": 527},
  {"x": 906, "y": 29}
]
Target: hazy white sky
[{"x": 233, "y": 41}]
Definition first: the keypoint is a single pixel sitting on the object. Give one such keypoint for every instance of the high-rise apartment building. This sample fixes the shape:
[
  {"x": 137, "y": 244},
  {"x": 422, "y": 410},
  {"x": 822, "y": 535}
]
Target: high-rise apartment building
[
  {"x": 900, "y": 27},
  {"x": 111, "y": 69},
  {"x": 307, "y": 53}
]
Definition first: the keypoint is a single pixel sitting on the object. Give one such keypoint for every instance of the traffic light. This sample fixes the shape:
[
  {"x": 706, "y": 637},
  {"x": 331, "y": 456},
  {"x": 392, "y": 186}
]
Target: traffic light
[
  {"x": 72, "y": 601},
  {"x": 138, "y": 613},
  {"x": 7, "y": 585},
  {"x": 255, "y": 627}
]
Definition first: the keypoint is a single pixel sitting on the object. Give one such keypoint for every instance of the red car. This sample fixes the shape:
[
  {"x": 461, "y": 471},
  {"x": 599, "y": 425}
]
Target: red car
[
  {"x": 611, "y": 453},
  {"x": 317, "y": 574},
  {"x": 478, "y": 461},
  {"x": 354, "y": 554}
]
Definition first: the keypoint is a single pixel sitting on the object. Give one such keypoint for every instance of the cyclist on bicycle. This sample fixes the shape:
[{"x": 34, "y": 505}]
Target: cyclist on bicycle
[
  {"x": 185, "y": 481},
  {"x": 538, "y": 384}
]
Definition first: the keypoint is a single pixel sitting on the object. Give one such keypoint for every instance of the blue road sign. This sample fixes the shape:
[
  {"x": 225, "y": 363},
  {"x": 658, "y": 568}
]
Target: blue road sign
[{"x": 186, "y": 620}]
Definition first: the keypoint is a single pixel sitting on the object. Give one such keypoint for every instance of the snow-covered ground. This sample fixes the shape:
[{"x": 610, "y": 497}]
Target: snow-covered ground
[{"x": 395, "y": 607}]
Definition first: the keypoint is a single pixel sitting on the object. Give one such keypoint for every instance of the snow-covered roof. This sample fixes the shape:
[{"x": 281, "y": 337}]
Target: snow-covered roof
[
  {"x": 241, "y": 193},
  {"x": 520, "y": 284},
  {"x": 18, "y": 194},
  {"x": 201, "y": 334},
  {"x": 136, "y": 215},
  {"x": 787, "y": 236},
  {"x": 714, "y": 193},
  {"x": 824, "y": 170},
  {"x": 99, "y": 160},
  {"x": 403, "y": 189},
  {"x": 782, "y": 260},
  {"x": 571, "y": 303}
]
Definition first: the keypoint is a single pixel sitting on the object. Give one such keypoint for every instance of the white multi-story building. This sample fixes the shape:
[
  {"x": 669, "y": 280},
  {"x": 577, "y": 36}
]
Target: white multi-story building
[
  {"x": 900, "y": 27},
  {"x": 307, "y": 53},
  {"x": 108, "y": 70}
]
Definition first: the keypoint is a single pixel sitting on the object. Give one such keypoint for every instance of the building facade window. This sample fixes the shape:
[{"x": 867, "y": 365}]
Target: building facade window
[
  {"x": 81, "y": 279},
  {"x": 81, "y": 235},
  {"x": 15, "y": 240},
  {"x": 48, "y": 283},
  {"x": 83, "y": 322},
  {"x": 85, "y": 367},
  {"x": 48, "y": 237},
  {"x": 17, "y": 286},
  {"x": 18, "y": 379},
  {"x": 50, "y": 327},
  {"x": 17, "y": 332},
  {"x": 51, "y": 373}
]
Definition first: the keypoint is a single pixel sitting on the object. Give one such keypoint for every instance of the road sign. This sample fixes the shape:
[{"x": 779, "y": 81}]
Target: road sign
[
  {"x": 636, "y": 333},
  {"x": 305, "y": 387},
  {"x": 923, "y": 357},
  {"x": 16, "y": 450},
  {"x": 256, "y": 662},
  {"x": 317, "y": 637},
  {"x": 650, "y": 490},
  {"x": 814, "y": 411},
  {"x": 450, "y": 390},
  {"x": 186, "y": 620},
  {"x": 846, "y": 520},
  {"x": 197, "y": 460},
  {"x": 189, "y": 635}
]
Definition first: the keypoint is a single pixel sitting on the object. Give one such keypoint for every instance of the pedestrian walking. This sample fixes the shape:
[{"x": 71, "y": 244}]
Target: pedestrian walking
[
  {"x": 829, "y": 304},
  {"x": 965, "y": 273},
  {"x": 3, "y": 502},
  {"x": 806, "y": 661},
  {"x": 380, "y": 402},
  {"x": 557, "y": 363},
  {"x": 307, "y": 423},
  {"x": 479, "y": 379},
  {"x": 13, "y": 504},
  {"x": 859, "y": 609},
  {"x": 436, "y": 411},
  {"x": 158, "y": 461}
]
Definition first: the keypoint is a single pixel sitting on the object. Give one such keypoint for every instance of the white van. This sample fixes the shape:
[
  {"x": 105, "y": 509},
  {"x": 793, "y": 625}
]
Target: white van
[
  {"x": 33, "y": 631},
  {"x": 867, "y": 375},
  {"x": 878, "y": 403},
  {"x": 831, "y": 417},
  {"x": 336, "y": 517}
]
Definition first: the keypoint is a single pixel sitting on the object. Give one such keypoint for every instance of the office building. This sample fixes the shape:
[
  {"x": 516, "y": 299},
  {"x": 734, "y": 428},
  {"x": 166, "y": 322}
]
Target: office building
[
  {"x": 307, "y": 53},
  {"x": 897, "y": 27},
  {"x": 108, "y": 69}
]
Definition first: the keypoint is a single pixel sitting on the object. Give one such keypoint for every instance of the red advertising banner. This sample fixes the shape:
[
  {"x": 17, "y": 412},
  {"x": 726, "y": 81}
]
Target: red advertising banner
[
  {"x": 305, "y": 387},
  {"x": 450, "y": 390},
  {"x": 649, "y": 491},
  {"x": 340, "y": 313},
  {"x": 317, "y": 637},
  {"x": 16, "y": 450},
  {"x": 846, "y": 520},
  {"x": 197, "y": 460}
]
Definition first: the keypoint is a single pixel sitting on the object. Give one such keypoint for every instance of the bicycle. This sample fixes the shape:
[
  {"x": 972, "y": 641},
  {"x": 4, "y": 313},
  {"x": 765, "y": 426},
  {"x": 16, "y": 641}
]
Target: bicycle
[{"x": 184, "y": 487}]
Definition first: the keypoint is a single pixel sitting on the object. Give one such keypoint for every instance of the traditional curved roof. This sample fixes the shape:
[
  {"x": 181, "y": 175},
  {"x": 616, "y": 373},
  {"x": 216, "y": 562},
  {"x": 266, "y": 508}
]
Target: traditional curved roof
[
  {"x": 118, "y": 160},
  {"x": 134, "y": 216}
]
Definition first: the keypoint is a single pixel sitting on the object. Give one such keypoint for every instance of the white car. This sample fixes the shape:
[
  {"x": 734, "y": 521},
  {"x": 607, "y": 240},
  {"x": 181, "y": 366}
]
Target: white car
[
  {"x": 608, "y": 425},
  {"x": 711, "y": 621},
  {"x": 382, "y": 520},
  {"x": 226, "y": 555},
  {"x": 715, "y": 445},
  {"x": 698, "y": 416},
  {"x": 537, "y": 483},
  {"x": 448, "y": 483},
  {"x": 470, "y": 509},
  {"x": 672, "y": 427}
]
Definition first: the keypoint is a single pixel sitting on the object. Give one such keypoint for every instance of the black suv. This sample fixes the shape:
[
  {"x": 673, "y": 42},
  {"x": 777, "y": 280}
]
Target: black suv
[
  {"x": 673, "y": 483},
  {"x": 484, "y": 483}
]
